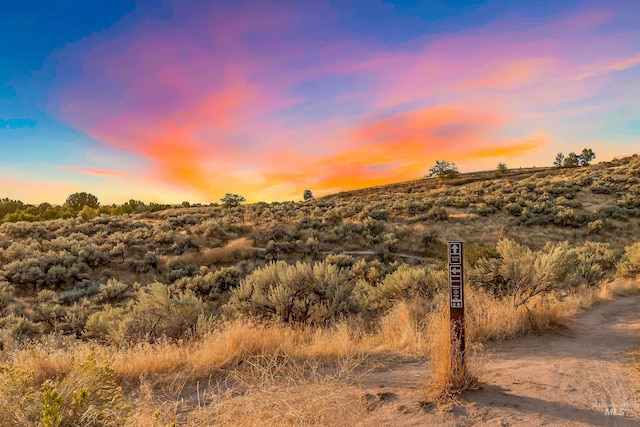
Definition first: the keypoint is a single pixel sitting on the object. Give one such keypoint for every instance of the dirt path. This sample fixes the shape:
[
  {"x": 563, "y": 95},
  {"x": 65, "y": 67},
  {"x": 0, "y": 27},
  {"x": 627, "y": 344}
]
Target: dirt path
[
  {"x": 394, "y": 254},
  {"x": 566, "y": 379}
]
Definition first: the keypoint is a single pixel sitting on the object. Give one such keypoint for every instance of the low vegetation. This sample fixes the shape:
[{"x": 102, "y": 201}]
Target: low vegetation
[{"x": 189, "y": 315}]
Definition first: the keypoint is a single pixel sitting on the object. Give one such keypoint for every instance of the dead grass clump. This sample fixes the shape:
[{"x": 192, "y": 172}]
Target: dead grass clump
[
  {"x": 623, "y": 288},
  {"x": 451, "y": 375},
  {"x": 400, "y": 331},
  {"x": 635, "y": 353},
  {"x": 491, "y": 318},
  {"x": 234, "y": 251},
  {"x": 145, "y": 359}
]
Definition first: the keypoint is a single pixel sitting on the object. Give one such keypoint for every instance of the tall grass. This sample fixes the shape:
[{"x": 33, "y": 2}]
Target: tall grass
[{"x": 286, "y": 373}]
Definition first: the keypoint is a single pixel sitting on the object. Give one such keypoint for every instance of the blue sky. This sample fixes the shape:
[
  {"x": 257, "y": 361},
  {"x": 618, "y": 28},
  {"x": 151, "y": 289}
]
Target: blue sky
[{"x": 169, "y": 101}]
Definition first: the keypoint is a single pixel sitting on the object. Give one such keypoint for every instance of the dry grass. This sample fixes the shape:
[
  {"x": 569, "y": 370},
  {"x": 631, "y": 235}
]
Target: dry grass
[
  {"x": 233, "y": 252},
  {"x": 403, "y": 331},
  {"x": 246, "y": 373},
  {"x": 451, "y": 374},
  {"x": 635, "y": 353}
]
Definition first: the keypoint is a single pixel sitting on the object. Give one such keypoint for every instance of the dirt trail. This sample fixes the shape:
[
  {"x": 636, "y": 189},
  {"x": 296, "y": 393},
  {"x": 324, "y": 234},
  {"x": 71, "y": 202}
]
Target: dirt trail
[{"x": 566, "y": 379}]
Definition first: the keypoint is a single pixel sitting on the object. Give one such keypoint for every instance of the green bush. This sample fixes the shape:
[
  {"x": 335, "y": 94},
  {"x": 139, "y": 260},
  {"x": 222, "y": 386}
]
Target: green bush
[
  {"x": 405, "y": 283},
  {"x": 211, "y": 285},
  {"x": 521, "y": 274},
  {"x": 154, "y": 313},
  {"x": 300, "y": 293}
]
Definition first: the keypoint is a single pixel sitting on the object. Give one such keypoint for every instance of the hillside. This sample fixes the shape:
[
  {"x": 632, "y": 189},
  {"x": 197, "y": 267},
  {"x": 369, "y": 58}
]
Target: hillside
[{"x": 221, "y": 295}]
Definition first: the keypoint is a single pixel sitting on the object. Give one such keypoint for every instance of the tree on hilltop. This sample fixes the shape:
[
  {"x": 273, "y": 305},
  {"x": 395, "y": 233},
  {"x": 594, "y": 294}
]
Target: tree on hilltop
[
  {"x": 307, "y": 195},
  {"x": 77, "y": 201},
  {"x": 585, "y": 158},
  {"x": 443, "y": 169},
  {"x": 571, "y": 160},
  {"x": 559, "y": 161},
  {"x": 231, "y": 200}
]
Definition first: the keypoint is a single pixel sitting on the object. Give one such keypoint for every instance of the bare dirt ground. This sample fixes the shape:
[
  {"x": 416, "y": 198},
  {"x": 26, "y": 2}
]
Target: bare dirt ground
[{"x": 578, "y": 377}]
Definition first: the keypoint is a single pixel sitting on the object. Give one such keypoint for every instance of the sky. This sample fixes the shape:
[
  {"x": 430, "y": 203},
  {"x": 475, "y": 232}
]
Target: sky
[{"x": 172, "y": 101}]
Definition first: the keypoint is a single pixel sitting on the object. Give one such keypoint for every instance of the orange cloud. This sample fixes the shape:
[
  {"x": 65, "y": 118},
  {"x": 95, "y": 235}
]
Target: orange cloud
[
  {"x": 514, "y": 149},
  {"x": 210, "y": 116},
  {"x": 401, "y": 147},
  {"x": 512, "y": 74}
]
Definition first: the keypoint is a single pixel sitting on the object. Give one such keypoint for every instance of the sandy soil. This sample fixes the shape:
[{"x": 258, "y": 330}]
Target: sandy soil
[{"x": 571, "y": 378}]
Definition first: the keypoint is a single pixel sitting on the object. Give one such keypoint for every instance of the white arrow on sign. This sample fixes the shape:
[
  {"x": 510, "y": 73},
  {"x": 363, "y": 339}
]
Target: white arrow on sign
[
  {"x": 455, "y": 248},
  {"x": 455, "y": 270}
]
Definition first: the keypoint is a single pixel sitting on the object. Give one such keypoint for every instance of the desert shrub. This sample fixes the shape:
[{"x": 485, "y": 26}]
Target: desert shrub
[
  {"x": 373, "y": 227},
  {"x": 149, "y": 263},
  {"x": 521, "y": 274},
  {"x": 514, "y": 208},
  {"x": 226, "y": 278},
  {"x": 595, "y": 227},
  {"x": 566, "y": 216},
  {"x": 629, "y": 265},
  {"x": 375, "y": 213},
  {"x": 7, "y": 297},
  {"x": 614, "y": 212},
  {"x": 429, "y": 237},
  {"x": 212, "y": 229},
  {"x": 340, "y": 260},
  {"x": 157, "y": 313},
  {"x": 473, "y": 251},
  {"x": 312, "y": 246},
  {"x": 177, "y": 269},
  {"x": 278, "y": 233},
  {"x": 20, "y": 327},
  {"x": 300, "y": 293},
  {"x": 594, "y": 261},
  {"x": 211, "y": 285},
  {"x": 277, "y": 250},
  {"x": 47, "y": 309},
  {"x": 87, "y": 395},
  {"x": 371, "y": 272},
  {"x": 103, "y": 325},
  {"x": 405, "y": 283},
  {"x": 154, "y": 313},
  {"x": 80, "y": 290},
  {"x": 112, "y": 292},
  {"x": 349, "y": 231},
  {"x": 75, "y": 318},
  {"x": 438, "y": 213},
  {"x": 484, "y": 209}
]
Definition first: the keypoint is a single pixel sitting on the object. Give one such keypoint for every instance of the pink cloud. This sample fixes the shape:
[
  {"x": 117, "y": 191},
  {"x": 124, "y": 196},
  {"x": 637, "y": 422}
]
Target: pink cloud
[
  {"x": 209, "y": 102},
  {"x": 93, "y": 171}
]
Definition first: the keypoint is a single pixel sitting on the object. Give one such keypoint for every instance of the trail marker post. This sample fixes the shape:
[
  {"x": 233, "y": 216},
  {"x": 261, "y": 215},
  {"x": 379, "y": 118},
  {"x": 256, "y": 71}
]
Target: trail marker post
[{"x": 456, "y": 303}]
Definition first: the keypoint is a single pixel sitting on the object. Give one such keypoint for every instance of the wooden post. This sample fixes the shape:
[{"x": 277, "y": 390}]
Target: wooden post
[{"x": 456, "y": 304}]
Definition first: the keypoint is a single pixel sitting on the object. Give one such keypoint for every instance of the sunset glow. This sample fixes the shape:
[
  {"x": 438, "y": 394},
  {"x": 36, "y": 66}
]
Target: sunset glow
[{"x": 191, "y": 100}]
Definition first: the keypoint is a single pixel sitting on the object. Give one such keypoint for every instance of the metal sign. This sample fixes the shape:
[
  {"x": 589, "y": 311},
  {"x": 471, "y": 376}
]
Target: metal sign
[{"x": 456, "y": 296}]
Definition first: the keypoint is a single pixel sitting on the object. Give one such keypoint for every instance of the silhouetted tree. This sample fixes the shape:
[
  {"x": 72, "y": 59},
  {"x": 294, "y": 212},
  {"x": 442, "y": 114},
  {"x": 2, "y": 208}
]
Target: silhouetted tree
[
  {"x": 559, "y": 161},
  {"x": 571, "y": 160},
  {"x": 77, "y": 201},
  {"x": 443, "y": 169},
  {"x": 231, "y": 200},
  {"x": 307, "y": 195},
  {"x": 586, "y": 157}
]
